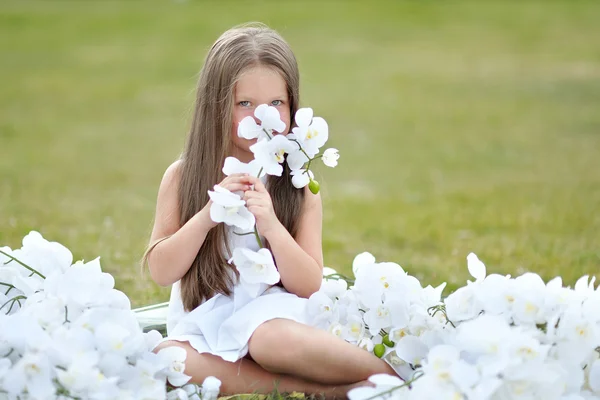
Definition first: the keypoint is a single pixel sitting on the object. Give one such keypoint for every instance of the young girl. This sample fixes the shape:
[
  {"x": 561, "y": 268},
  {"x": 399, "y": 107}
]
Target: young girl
[{"x": 251, "y": 345}]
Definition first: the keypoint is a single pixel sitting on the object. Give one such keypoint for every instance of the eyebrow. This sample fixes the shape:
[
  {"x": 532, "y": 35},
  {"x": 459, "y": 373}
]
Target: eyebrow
[{"x": 250, "y": 97}]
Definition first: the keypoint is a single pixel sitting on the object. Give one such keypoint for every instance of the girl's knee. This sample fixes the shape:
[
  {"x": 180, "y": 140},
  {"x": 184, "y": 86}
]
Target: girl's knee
[
  {"x": 274, "y": 338},
  {"x": 170, "y": 343}
]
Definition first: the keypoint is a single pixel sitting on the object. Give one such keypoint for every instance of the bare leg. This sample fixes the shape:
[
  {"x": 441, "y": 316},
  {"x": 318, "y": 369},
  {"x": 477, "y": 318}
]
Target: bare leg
[
  {"x": 287, "y": 347},
  {"x": 245, "y": 376}
]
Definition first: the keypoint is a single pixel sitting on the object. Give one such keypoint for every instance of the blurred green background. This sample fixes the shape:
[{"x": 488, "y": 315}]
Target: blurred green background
[{"x": 463, "y": 126}]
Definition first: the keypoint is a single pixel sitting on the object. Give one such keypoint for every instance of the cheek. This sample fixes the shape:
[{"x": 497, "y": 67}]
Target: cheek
[{"x": 285, "y": 117}]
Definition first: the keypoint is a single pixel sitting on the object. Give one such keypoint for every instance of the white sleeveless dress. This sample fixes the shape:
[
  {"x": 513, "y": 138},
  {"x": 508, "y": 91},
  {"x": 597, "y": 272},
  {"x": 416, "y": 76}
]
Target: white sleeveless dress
[{"x": 223, "y": 325}]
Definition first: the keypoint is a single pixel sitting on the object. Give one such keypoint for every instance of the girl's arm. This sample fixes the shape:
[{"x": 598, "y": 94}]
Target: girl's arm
[
  {"x": 177, "y": 246},
  {"x": 300, "y": 261}
]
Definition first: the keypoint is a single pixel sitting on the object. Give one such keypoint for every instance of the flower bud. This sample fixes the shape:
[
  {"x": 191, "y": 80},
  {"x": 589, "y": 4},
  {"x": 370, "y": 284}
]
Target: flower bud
[
  {"x": 379, "y": 350},
  {"x": 314, "y": 186}
]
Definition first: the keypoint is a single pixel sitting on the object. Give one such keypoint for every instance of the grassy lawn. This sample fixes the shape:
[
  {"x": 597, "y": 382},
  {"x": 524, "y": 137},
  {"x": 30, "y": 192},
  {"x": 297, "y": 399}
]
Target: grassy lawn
[{"x": 463, "y": 126}]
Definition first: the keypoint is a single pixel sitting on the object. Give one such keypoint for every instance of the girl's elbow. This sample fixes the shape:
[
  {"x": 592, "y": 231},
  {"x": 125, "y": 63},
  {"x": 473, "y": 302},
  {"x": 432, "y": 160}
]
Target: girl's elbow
[
  {"x": 312, "y": 287},
  {"x": 158, "y": 278}
]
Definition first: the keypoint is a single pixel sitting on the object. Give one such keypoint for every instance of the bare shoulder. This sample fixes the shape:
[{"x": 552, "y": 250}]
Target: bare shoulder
[
  {"x": 166, "y": 221},
  {"x": 172, "y": 174},
  {"x": 311, "y": 201}
]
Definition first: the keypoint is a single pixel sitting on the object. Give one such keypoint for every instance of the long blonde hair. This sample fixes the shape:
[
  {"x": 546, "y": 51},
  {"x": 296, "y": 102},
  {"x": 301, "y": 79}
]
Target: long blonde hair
[{"x": 209, "y": 141}]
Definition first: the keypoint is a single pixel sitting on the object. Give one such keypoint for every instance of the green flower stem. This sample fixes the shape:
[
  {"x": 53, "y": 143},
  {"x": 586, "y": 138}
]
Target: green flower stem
[
  {"x": 301, "y": 149},
  {"x": 260, "y": 244},
  {"x": 406, "y": 383},
  {"x": 258, "y": 237},
  {"x": 243, "y": 234},
  {"x": 339, "y": 277},
  {"x": 267, "y": 133},
  {"x": 22, "y": 264},
  {"x": 7, "y": 285},
  {"x": 13, "y": 300}
]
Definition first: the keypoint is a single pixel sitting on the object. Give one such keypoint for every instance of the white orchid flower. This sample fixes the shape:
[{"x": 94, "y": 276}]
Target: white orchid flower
[
  {"x": 249, "y": 129},
  {"x": 320, "y": 309},
  {"x": 270, "y": 121},
  {"x": 229, "y": 208},
  {"x": 333, "y": 288},
  {"x": 174, "y": 358},
  {"x": 234, "y": 166},
  {"x": 378, "y": 318},
  {"x": 270, "y": 118},
  {"x": 312, "y": 133},
  {"x": 210, "y": 388},
  {"x": 362, "y": 260},
  {"x": 270, "y": 154},
  {"x": 331, "y": 157},
  {"x": 476, "y": 267},
  {"x": 256, "y": 268},
  {"x": 296, "y": 158},
  {"x": 301, "y": 178},
  {"x": 177, "y": 394},
  {"x": 31, "y": 373}
]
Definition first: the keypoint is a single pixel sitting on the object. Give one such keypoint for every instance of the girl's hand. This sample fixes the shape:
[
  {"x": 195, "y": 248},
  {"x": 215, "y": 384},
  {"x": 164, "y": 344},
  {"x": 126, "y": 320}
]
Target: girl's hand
[
  {"x": 233, "y": 183},
  {"x": 236, "y": 182},
  {"x": 260, "y": 205}
]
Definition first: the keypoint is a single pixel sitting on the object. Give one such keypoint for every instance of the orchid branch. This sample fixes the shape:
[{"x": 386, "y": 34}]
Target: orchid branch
[
  {"x": 23, "y": 264},
  {"x": 409, "y": 382}
]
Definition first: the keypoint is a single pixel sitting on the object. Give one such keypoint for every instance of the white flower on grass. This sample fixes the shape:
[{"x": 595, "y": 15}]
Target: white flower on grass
[
  {"x": 333, "y": 288},
  {"x": 362, "y": 260},
  {"x": 229, "y": 208},
  {"x": 354, "y": 328},
  {"x": 256, "y": 268},
  {"x": 462, "y": 305},
  {"x": 383, "y": 384},
  {"x": 411, "y": 349},
  {"x": 32, "y": 373},
  {"x": 234, "y": 166},
  {"x": 177, "y": 394},
  {"x": 210, "y": 388},
  {"x": 476, "y": 267},
  {"x": 530, "y": 293},
  {"x": 378, "y": 280},
  {"x": 301, "y": 178},
  {"x": 378, "y": 318},
  {"x": 312, "y": 133},
  {"x": 270, "y": 154},
  {"x": 331, "y": 157},
  {"x": 366, "y": 344},
  {"x": 320, "y": 309},
  {"x": 174, "y": 358}
]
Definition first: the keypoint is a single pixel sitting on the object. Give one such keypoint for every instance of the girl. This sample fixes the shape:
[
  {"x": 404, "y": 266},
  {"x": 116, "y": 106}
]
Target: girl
[{"x": 251, "y": 345}]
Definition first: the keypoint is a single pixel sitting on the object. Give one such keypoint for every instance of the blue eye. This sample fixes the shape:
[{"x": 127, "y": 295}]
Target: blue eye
[
  {"x": 276, "y": 103},
  {"x": 244, "y": 103}
]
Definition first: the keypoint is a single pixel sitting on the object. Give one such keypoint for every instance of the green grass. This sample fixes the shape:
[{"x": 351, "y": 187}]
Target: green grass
[{"x": 463, "y": 126}]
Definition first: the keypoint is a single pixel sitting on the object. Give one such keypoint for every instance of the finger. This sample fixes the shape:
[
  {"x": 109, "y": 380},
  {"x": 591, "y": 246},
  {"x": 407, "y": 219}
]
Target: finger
[
  {"x": 252, "y": 194},
  {"x": 258, "y": 185},
  {"x": 235, "y": 179},
  {"x": 237, "y": 187}
]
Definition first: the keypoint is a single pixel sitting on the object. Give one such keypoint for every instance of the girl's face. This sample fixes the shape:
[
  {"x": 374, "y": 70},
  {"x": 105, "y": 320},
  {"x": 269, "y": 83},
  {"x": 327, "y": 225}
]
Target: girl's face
[{"x": 257, "y": 85}]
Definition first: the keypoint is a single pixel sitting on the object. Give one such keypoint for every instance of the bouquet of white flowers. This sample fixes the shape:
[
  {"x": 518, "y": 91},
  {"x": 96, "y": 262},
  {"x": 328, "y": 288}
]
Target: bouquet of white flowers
[
  {"x": 66, "y": 333},
  {"x": 495, "y": 338},
  {"x": 257, "y": 268}
]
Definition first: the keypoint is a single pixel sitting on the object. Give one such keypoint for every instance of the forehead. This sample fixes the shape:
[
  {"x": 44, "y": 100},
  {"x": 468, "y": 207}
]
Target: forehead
[{"x": 260, "y": 81}]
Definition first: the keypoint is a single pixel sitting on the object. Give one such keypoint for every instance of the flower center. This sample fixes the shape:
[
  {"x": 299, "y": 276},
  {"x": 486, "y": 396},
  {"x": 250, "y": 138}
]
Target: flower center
[
  {"x": 279, "y": 156},
  {"x": 311, "y": 133},
  {"x": 232, "y": 210},
  {"x": 259, "y": 267}
]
